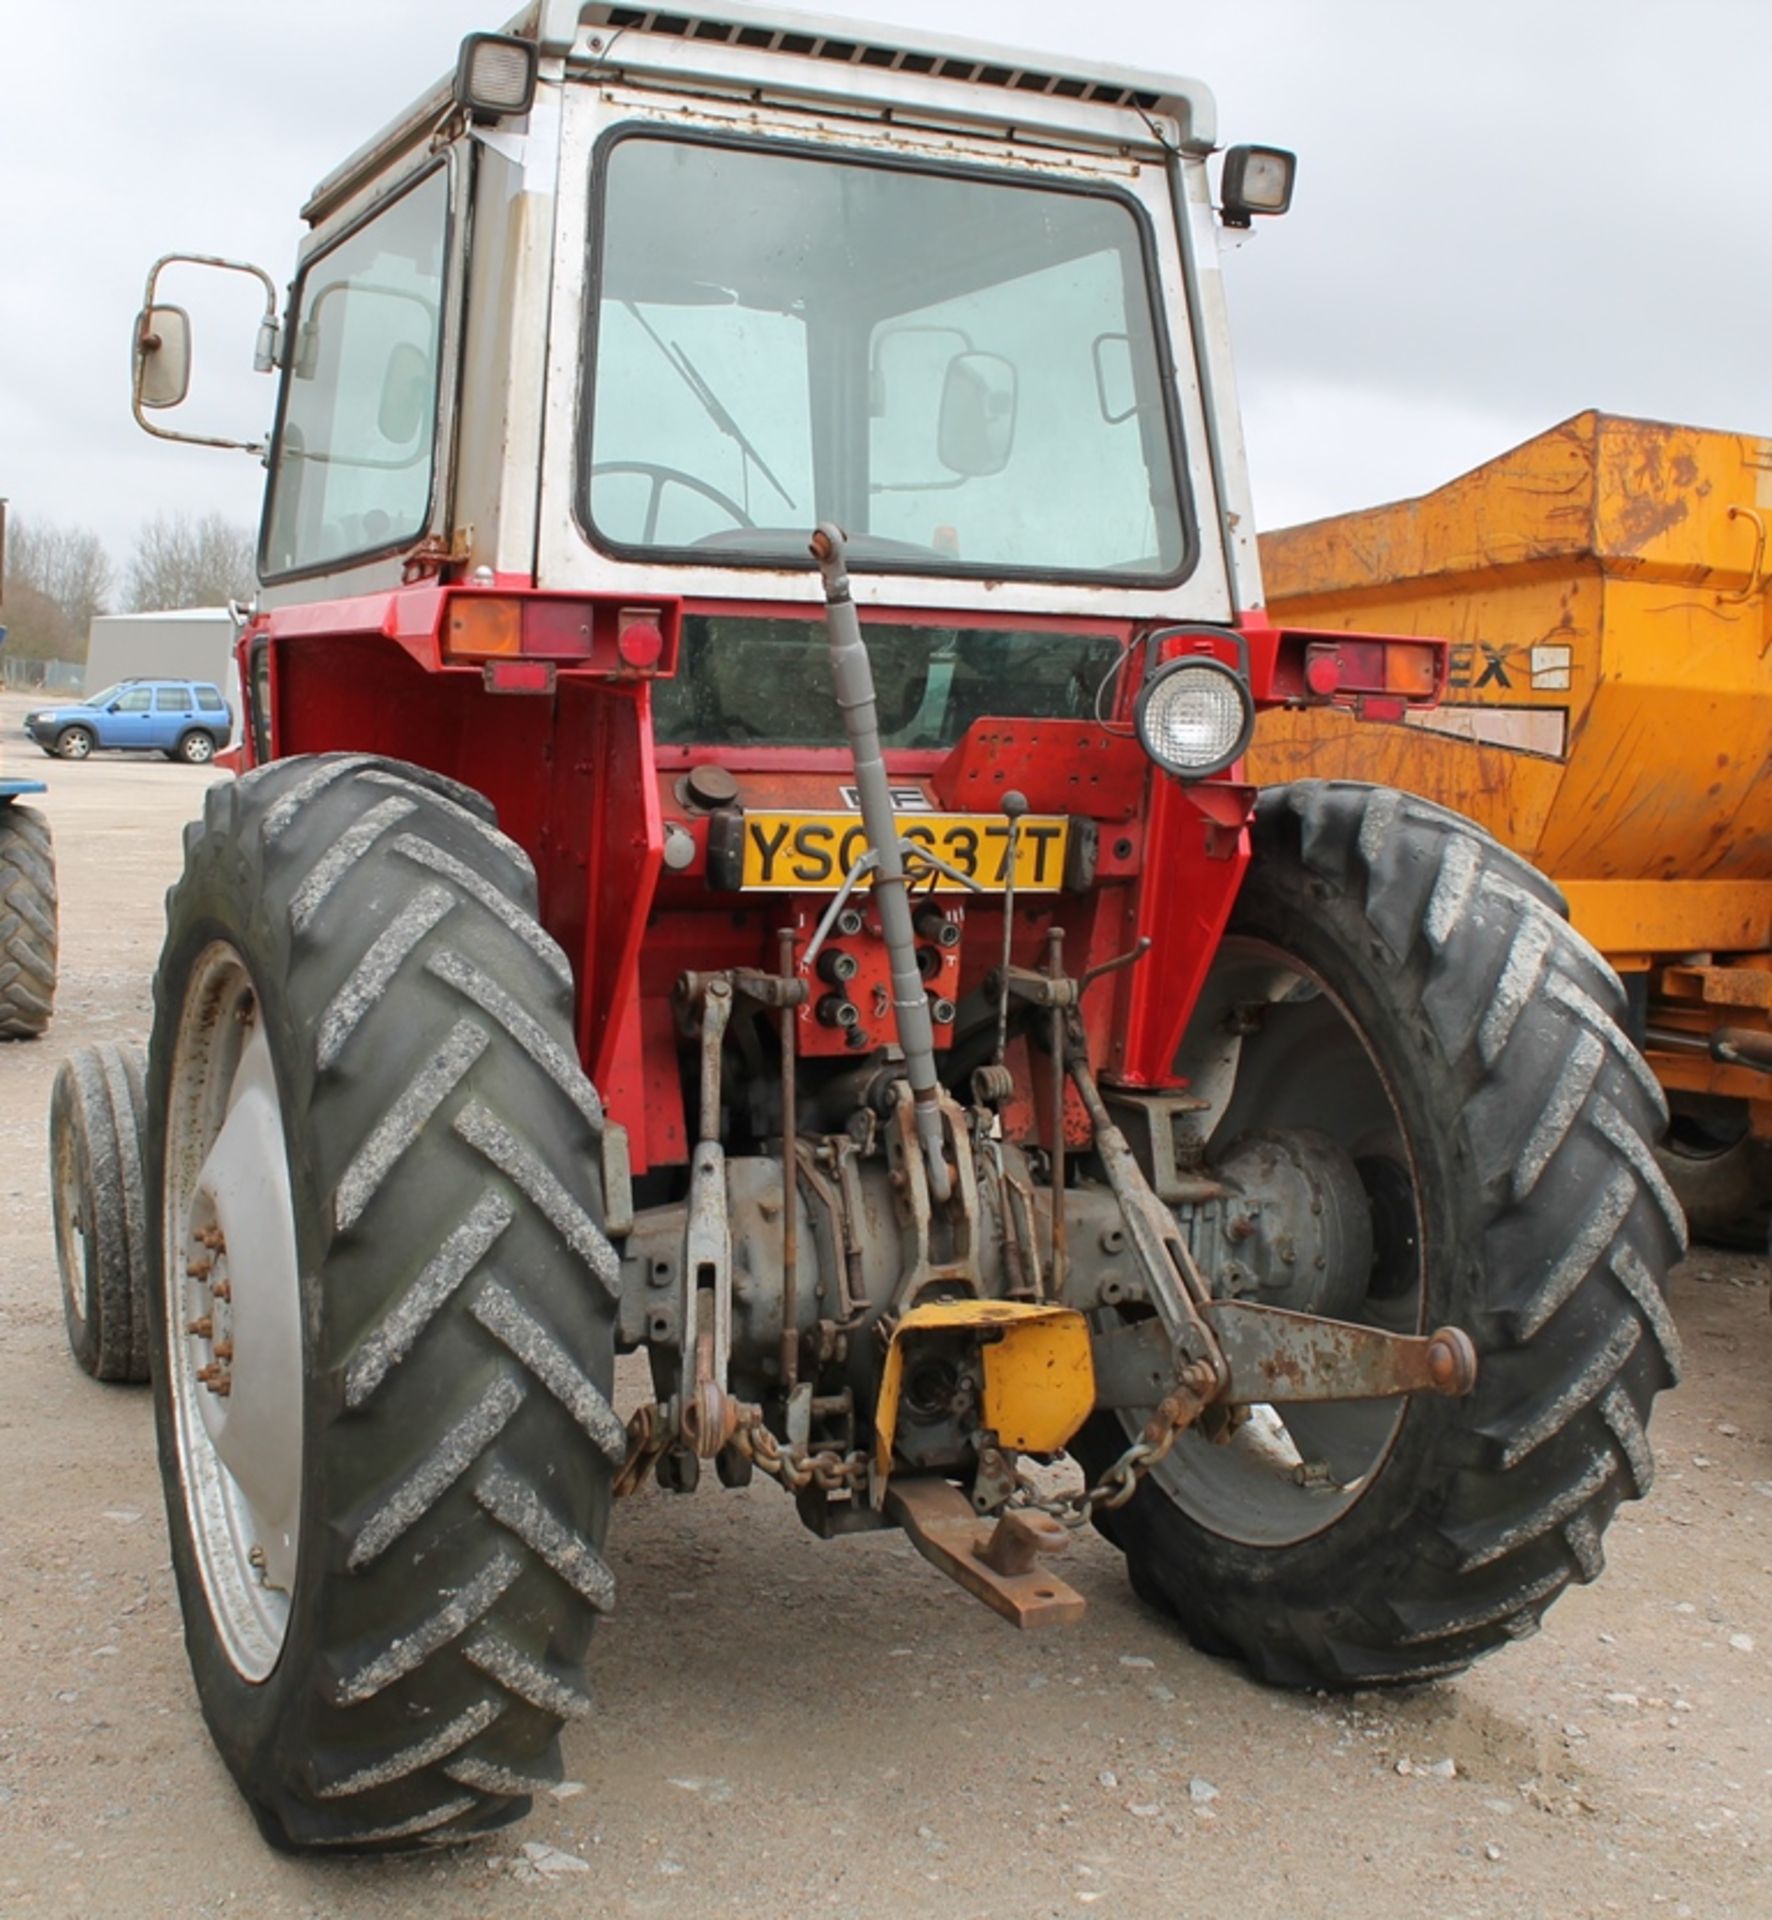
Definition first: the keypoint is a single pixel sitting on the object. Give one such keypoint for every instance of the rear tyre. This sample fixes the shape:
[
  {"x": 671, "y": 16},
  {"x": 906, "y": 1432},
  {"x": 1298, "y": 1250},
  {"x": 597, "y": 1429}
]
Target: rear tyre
[
  {"x": 373, "y": 1160},
  {"x": 99, "y": 1199},
  {"x": 196, "y": 748},
  {"x": 29, "y": 934},
  {"x": 74, "y": 743},
  {"x": 1721, "y": 1173},
  {"x": 1408, "y": 989}
]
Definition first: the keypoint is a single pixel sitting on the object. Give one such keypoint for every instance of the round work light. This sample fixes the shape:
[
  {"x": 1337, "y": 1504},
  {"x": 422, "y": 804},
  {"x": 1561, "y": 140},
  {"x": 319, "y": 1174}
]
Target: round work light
[{"x": 1195, "y": 717}]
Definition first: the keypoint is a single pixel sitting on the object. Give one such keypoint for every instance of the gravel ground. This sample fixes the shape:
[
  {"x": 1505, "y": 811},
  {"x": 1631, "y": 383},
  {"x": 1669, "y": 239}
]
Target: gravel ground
[{"x": 794, "y": 1728}]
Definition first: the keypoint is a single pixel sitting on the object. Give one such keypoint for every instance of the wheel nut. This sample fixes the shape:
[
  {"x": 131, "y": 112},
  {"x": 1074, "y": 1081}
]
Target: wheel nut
[{"x": 202, "y": 1328}]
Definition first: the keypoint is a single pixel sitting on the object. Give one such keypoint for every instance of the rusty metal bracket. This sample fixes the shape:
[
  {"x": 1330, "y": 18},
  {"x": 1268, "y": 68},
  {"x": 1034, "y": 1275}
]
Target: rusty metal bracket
[
  {"x": 939, "y": 1236},
  {"x": 1277, "y": 1356},
  {"x": 999, "y": 1565},
  {"x": 708, "y": 1419},
  {"x": 1282, "y": 1358},
  {"x": 1155, "y": 1239}
]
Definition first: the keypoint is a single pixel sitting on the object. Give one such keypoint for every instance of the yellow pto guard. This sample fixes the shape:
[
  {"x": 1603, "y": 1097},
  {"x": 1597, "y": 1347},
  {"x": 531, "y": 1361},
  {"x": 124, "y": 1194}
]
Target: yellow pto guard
[
  {"x": 1036, "y": 1388},
  {"x": 1039, "y": 1377}
]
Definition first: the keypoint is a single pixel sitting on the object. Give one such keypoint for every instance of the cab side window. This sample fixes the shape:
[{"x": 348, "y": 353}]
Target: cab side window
[
  {"x": 352, "y": 465},
  {"x": 135, "y": 701},
  {"x": 172, "y": 700}
]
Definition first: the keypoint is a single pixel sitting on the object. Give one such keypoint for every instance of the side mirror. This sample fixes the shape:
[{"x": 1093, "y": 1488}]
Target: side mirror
[
  {"x": 975, "y": 431},
  {"x": 162, "y": 357}
]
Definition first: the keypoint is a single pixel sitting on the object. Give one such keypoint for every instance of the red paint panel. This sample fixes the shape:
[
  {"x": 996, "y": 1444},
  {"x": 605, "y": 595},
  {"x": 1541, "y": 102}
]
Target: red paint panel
[{"x": 1059, "y": 766}]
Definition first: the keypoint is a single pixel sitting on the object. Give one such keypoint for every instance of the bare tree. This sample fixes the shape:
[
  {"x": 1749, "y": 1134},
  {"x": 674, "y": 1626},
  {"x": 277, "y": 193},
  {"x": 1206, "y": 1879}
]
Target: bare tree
[
  {"x": 57, "y": 578},
  {"x": 180, "y": 562}
]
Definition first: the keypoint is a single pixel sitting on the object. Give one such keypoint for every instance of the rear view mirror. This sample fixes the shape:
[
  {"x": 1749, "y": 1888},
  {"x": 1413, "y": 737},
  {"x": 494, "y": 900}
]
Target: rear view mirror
[
  {"x": 976, "y": 428},
  {"x": 1115, "y": 391},
  {"x": 162, "y": 357},
  {"x": 406, "y": 393}
]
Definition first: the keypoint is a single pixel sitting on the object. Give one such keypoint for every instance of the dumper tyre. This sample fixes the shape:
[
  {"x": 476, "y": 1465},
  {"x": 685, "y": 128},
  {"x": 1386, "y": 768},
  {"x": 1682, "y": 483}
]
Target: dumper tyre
[
  {"x": 1478, "y": 1033},
  {"x": 376, "y": 1217},
  {"x": 29, "y": 932},
  {"x": 99, "y": 1201},
  {"x": 1724, "y": 1183}
]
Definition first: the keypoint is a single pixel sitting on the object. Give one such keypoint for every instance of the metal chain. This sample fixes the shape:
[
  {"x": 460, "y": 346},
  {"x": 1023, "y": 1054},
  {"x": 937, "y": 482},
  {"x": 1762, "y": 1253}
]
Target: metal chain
[
  {"x": 1115, "y": 1487},
  {"x": 796, "y": 1467},
  {"x": 836, "y": 1472}
]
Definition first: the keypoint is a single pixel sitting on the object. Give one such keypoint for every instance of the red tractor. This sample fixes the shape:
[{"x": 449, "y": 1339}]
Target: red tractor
[{"x": 743, "y": 856}]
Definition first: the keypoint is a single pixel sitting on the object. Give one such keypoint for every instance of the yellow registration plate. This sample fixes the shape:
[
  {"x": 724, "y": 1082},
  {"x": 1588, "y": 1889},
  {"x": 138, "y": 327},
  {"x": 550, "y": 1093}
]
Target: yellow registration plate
[{"x": 811, "y": 852}]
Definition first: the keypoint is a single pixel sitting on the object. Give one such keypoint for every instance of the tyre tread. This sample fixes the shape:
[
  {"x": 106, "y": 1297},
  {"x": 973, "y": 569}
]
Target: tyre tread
[
  {"x": 29, "y": 923},
  {"x": 438, "y": 1046}
]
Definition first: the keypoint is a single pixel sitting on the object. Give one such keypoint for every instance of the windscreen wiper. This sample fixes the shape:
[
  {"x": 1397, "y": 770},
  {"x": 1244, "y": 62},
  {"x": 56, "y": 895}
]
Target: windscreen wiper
[{"x": 712, "y": 405}]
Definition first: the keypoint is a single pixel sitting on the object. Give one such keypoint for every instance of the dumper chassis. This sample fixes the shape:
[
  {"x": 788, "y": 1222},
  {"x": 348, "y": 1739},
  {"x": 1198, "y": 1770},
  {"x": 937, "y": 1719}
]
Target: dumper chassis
[{"x": 836, "y": 955}]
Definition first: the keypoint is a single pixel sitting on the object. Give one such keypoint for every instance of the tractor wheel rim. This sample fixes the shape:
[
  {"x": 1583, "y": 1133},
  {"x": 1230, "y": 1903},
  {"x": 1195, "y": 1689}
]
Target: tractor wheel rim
[
  {"x": 233, "y": 1305},
  {"x": 1267, "y": 1488},
  {"x": 70, "y": 1224}
]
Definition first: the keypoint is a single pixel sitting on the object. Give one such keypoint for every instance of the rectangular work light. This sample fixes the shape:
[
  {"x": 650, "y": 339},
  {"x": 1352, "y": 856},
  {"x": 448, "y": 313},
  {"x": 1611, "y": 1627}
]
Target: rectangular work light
[
  {"x": 1256, "y": 180},
  {"x": 495, "y": 75}
]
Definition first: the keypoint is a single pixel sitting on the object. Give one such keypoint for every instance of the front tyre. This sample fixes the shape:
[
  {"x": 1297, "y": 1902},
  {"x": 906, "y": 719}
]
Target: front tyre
[
  {"x": 1403, "y": 990},
  {"x": 99, "y": 1201},
  {"x": 382, "y": 1323}
]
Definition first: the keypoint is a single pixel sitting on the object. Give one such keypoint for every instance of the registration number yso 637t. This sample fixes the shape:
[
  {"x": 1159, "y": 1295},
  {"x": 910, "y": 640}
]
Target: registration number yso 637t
[{"x": 811, "y": 852}]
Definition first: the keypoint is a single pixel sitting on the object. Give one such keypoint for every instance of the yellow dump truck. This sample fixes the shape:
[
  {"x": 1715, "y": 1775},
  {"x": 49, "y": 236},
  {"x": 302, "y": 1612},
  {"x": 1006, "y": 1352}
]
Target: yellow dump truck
[{"x": 1610, "y": 717}]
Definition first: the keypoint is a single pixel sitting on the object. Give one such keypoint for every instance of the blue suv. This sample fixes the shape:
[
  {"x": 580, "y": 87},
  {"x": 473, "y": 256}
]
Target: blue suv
[{"x": 183, "y": 719}]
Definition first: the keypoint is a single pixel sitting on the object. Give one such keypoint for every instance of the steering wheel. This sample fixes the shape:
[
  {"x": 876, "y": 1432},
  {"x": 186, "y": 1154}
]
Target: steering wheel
[{"x": 662, "y": 477}]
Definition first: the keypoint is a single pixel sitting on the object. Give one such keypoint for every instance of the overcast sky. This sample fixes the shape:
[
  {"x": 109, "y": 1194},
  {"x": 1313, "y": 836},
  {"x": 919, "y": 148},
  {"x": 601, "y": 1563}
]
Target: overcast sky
[{"x": 1507, "y": 211}]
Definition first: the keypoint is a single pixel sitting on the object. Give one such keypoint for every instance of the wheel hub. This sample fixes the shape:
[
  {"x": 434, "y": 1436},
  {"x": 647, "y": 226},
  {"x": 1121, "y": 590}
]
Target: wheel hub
[{"x": 1300, "y": 1231}]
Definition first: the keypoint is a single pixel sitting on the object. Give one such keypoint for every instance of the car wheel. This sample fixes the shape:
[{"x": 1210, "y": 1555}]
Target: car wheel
[
  {"x": 196, "y": 748},
  {"x": 74, "y": 743}
]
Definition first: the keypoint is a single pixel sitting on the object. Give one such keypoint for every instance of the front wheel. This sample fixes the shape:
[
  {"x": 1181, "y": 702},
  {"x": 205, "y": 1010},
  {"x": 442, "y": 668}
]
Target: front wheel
[
  {"x": 74, "y": 743},
  {"x": 382, "y": 1321},
  {"x": 1399, "y": 1013},
  {"x": 99, "y": 1202}
]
